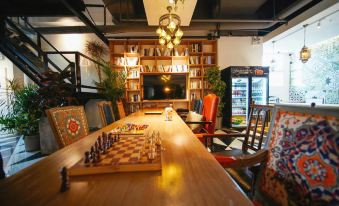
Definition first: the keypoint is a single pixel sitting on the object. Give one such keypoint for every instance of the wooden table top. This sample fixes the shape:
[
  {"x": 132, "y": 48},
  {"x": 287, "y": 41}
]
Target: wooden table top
[{"x": 190, "y": 175}]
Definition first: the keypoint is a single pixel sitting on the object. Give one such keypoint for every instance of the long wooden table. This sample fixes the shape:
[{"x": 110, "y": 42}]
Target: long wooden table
[{"x": 190, "y": 175}]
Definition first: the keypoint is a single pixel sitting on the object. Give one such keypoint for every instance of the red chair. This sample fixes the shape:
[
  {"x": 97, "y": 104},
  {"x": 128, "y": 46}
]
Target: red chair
[{"x": 209, "y": 112}]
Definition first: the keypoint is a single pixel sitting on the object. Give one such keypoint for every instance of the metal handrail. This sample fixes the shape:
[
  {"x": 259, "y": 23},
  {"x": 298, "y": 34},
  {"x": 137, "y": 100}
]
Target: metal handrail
[{"x": 41, "y": 36}]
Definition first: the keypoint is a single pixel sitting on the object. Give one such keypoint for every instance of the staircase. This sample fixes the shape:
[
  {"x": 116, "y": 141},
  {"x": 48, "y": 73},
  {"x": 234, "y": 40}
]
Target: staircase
[{"x": 23, "y": 45}]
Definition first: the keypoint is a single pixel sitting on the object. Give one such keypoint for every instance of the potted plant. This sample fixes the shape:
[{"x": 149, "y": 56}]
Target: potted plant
[
  {"x": 113, "y": 83},
  {"x": 23, "y": 114},
  {"x": 54, "y": 92},
  {"x": 218, "y": 87}
]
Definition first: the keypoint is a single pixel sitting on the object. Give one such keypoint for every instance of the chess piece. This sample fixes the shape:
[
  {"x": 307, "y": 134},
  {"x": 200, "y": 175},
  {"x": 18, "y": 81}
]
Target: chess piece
[
  {"x": 104, "y": 151},
  {"x": 104, "y": 134},
  {"x": 92, "y": 151},
  {"x": 96, "y": 145},
  {"x": 98, "y": 156},
  {"x": 64, "y": 180},
  {"x": 87, "y": 157},
  {"x": 94, "y": 158}
]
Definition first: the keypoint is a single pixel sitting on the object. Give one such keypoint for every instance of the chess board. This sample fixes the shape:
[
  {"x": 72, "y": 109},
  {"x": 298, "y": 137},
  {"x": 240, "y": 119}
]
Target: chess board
[
  {"x": 124, "y": 156},
  {"x": 130, "y": 129}
]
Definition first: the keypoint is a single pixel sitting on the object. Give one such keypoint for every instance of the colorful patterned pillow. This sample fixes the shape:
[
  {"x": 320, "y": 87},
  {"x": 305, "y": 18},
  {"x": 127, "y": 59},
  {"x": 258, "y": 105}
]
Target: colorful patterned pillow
[
  {"x": 303, "y": 163},
  {"x": 69, "y": 124}
]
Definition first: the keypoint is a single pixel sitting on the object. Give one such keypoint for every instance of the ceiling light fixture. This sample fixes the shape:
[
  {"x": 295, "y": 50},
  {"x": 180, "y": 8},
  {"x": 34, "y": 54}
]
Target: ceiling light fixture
[
  {"x": 273, "y": 62},
  {"x": 169, "y": 31},
  {"x": 305, "y": 52}
]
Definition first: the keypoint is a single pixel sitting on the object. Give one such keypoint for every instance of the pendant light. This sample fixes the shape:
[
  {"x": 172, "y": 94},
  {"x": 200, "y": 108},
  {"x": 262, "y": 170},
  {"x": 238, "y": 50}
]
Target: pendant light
[{"x": 305, "y": 52}]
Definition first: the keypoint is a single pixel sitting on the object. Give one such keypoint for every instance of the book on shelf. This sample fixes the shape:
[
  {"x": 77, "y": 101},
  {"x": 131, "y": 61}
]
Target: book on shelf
[
  {"x": 196, "y": 84},
  {"x": 135, "y": 98},
  {"x": 151, "y": 52},
  {"x": 195, "y": 72},
  {"x": 194, "y": 60},
  {"x": 196, "y": 48},
  {"x": 176, "y": 52},
  {"x": 133, "y": 74},
  {"x": 158, "y": 51},
  {"x": 207, "y": 60},
  {"x": 133, "y": 48}
]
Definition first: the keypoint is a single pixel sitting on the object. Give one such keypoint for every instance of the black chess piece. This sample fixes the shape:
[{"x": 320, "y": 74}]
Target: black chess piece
[
  {"x": 92, "y": 150},
  {"x": 104, "y": 134},
  {"x": 94, "y": 158},
  {"x": 64, "y": 180},
  {"x": 87, "y": 157},
  {"x": 98, "y": 156},
  {"x": 96, "y": 146}
]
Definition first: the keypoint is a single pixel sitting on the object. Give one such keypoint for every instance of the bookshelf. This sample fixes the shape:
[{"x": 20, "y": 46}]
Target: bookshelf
[{"x": 141, "y": 57}]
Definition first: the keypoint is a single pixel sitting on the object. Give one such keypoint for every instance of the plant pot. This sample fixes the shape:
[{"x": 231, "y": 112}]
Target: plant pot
[
  {"x": 48, "y": 143},
  {"x": 32, "y": 143}
]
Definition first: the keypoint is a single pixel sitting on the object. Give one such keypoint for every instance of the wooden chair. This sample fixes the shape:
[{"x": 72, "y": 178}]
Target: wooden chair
[
  {"x": 197, "y": 108},
  {"x": 300, "y": 165},
  {"x": 121, "y": 109},
  {"x": 69, "y": 124},
  {"x": 209, "y": 113},
  {"x": 241, "y": 144},
  {"x": 106, "y": 112},
  {"x": 2, "y": 171}
]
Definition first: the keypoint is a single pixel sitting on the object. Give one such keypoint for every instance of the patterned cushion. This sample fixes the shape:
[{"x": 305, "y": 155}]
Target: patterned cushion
[
  {"x": 69, "y": 124},
  {"x": 303, "y": 163}
]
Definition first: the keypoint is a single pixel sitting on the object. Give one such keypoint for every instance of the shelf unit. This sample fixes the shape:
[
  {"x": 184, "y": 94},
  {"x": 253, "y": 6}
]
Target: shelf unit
[{"x": 141, "y": 57}]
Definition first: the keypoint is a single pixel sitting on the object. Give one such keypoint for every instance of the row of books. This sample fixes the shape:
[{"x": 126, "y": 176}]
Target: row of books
[
  {"x": 196, "y": 84},
  {"x": 133, "y": 48},
  {"x": 128, "y": 61},
  {"x": 164, "y": 68},
  {"x": 133, "y": 74},
  {"x": 196, "y": 48},
  {"x": 163, "y": 52},
  {"x": 194, "y": 60},
  {"x": 134, "y": 98},
  {"x": 195, "y": 72},
  {"x": 133, "y": 85}
]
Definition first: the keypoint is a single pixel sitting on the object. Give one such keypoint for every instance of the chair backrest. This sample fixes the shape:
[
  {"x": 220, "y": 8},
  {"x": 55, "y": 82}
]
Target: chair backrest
[
  {"x": 121, "y": 109},
  {"x": 303, "y": 158},
  {"x": 197, "y": 107},
  {"x": 106, "y": 112},
  {"x": 209, "y": 111},
  {"x": 2, "y": 171},
  {"x": 69, "y": 124},
  {"x": 257, "y": 127}
]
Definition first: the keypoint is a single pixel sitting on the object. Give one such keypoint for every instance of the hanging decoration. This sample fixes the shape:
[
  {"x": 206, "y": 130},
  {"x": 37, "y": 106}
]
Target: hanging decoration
[
  {"x": 305, "y": 52},
  {"x": 169, "y": 29}
]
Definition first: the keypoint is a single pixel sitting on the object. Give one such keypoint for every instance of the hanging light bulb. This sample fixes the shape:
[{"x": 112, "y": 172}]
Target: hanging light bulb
[
  {"x": 158, "y": 31},
  {"x": 163, "y": 33},
  {"x": 179, "y": 33},
  {"x": 176, "y": 41},
  {"x": 305, "y": 52},
  {"x": 162, "y": 41},
  {"x": 168, "y": 37},
  {"x": 170, "y": 45},
  {"x": 171, "y": 26}
]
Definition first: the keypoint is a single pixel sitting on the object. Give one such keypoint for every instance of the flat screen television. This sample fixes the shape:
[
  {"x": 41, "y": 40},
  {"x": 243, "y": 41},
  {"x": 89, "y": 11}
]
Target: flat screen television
[{"x": 157, "y": 87}]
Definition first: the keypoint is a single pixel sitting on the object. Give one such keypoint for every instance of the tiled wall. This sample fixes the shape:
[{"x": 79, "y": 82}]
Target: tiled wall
[{"x": 319, "y": 77}]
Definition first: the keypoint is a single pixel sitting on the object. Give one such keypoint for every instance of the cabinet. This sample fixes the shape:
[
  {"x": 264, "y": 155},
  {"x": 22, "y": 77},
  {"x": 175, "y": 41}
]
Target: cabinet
[{"x": 139, "y": 57}]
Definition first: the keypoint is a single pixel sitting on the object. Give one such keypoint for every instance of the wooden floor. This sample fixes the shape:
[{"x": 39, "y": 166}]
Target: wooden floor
[{"x": 190, "y": 175}]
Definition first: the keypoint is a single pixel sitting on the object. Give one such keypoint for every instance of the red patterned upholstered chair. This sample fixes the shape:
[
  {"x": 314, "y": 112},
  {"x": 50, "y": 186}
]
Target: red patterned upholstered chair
[
  {"x": 300, "y": 165},
  {"x": 209, "y": 113},
  {"x": 69, "y": 124}
]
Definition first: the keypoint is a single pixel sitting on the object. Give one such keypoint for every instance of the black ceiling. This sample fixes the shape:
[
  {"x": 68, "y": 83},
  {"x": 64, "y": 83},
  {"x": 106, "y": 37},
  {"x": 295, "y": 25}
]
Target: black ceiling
[
  {"x": 220, "y": 17},
  {"x": 38, "y": 7}
]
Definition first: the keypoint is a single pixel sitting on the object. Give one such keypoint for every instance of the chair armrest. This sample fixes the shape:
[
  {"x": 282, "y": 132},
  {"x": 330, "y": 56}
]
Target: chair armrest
[
  {"x": 242, "y": 160},
  {"x": 199, "y": 122}
]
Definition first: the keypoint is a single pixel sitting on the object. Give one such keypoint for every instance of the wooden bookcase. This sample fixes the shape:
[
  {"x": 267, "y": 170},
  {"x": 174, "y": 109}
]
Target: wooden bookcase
[{"x": 141, "y": 57}]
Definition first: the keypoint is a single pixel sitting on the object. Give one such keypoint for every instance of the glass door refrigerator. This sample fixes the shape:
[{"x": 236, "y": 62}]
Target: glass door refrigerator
[{"x": 244, "y": 85}]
